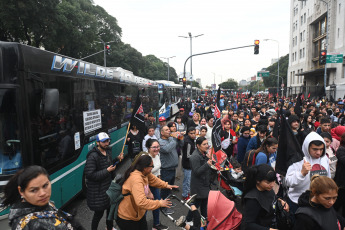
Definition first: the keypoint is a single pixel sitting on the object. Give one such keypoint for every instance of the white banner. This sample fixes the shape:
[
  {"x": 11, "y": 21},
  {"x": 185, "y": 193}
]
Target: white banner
[{"x": 92, "y": 120}]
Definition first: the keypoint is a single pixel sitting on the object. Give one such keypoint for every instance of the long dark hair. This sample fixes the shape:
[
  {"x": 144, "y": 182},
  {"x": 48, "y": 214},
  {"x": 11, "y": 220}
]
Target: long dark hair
[
  {"x": 142, "y": 162},
  {"x": 257, "y": 173},
  {"x": 22, "y": 178},
  {"x": 267, "y": 143}
]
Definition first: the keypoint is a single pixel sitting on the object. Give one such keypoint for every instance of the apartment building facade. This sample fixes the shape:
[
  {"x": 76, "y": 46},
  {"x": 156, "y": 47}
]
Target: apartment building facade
[{"x": 309, "y": 22}]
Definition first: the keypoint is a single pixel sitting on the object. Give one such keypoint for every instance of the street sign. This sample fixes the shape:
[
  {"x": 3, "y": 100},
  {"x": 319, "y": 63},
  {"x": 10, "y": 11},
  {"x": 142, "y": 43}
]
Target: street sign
[
  {"x": 334, "y": 58},
  {"x": 263, "y": 74}
]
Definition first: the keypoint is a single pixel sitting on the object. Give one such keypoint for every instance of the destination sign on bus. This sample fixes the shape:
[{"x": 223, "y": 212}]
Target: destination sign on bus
[{"x": 84, "y": 68}]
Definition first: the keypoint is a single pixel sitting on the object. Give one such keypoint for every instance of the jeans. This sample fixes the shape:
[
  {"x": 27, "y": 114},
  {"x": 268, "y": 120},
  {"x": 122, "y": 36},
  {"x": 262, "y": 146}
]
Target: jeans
[
  {"x": 155, "y": 213},
  {"x": 131, "y": 224},
  {"x": 186, "y": 182},
  {"x": 202, "y": 203},
  {"x": 97, "y": 216},
  {"x": 167, "y": 176}
]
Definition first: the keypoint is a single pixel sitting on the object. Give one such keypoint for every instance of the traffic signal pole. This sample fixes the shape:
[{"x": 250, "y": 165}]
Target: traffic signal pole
[{"x": 211, "y": 52}]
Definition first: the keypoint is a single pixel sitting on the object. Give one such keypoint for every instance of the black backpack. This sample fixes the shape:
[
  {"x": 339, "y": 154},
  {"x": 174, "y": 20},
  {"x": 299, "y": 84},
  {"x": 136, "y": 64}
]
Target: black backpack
[{"x": 249, "y": 160}]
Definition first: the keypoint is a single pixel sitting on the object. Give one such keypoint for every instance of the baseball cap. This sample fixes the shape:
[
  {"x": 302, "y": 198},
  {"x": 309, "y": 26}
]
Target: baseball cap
[
  {"x": 181, "y": 109},
  {"x": 102, "y": 137},
  {"x": 162, "y": 119}
]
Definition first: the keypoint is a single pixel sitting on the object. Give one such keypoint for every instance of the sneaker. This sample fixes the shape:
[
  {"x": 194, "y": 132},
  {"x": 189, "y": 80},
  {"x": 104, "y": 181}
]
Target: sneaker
[
  {"x": 191, "y": 200},
  {"x": 160, "y": 227},
  {"x": 167, "y": 211},
  {"x": 190, "y": 223},
  {"x": 179, "y": 222}
]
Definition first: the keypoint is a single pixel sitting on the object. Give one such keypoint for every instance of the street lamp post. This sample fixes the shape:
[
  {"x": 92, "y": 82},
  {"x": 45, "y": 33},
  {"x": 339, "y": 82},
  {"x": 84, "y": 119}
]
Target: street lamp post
[
  {"x": 191, "y": 54},
  {"x": 278, "y": 61},
  {"x": 168, "y": 65},
  {"x": 326, "y": 46}
]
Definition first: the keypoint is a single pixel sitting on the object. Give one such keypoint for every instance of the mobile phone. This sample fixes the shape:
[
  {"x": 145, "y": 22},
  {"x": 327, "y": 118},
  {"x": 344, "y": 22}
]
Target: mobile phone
[{"x": 116, "y": 163}]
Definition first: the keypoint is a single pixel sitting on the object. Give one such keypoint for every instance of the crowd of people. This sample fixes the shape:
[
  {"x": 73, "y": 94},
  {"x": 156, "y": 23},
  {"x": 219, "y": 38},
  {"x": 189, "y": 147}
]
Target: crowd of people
[{"x": 314, "y": 186}]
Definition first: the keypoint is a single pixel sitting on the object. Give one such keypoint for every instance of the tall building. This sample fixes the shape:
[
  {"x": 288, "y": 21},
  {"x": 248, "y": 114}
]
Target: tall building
[{"x": 309, "y": 21}]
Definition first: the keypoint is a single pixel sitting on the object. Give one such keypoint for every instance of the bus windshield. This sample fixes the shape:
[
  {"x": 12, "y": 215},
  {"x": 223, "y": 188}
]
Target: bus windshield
[{"x": 10, "y": 152}]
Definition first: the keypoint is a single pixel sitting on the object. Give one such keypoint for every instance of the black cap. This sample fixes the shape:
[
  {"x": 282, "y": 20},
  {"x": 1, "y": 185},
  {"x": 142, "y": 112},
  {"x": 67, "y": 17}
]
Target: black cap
[{"x": 293, "y": 118}]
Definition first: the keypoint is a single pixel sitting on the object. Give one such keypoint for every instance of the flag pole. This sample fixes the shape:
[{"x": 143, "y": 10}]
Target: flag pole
[{"x": 124, "y": 143}]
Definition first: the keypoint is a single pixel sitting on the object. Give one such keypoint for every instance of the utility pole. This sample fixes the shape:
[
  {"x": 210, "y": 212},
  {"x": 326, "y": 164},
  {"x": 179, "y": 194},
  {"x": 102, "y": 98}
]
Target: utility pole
[{"x": 168, "y": 65}]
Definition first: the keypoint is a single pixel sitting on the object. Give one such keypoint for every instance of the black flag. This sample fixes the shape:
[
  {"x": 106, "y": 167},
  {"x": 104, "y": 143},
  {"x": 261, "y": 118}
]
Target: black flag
[
  {"x": 137, "y": 118},
  {"x": 217, "y": 126},
  {"x": 298, "y": 105},
  {"x": 289, "y": 150}
]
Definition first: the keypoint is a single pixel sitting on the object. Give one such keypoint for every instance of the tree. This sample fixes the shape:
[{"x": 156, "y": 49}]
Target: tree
[
  {"x": 271, "y": 81},
  {"x": 229, "y": 84}
]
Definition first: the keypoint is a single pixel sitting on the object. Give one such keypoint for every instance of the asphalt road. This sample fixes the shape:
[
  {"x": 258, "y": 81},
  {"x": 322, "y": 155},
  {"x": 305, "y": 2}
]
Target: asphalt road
[{"x": 84, "y": 214}]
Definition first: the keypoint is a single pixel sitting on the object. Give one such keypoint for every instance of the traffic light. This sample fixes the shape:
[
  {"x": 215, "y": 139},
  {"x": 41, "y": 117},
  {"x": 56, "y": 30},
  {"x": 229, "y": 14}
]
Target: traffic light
[
  {"x": 108, "y": 50},
  {"x": 256, "y": 46},
  {"x": 322, "y": 57},
  {"x": 184, "y": 80}
]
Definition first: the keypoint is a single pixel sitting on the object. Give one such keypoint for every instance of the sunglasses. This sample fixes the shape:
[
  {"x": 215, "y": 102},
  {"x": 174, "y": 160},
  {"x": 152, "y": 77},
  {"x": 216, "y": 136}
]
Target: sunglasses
[{"x": 151, "y": 166}]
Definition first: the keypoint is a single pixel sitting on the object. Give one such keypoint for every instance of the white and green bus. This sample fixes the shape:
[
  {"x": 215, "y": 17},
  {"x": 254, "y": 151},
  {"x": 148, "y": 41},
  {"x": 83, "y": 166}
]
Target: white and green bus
[{"x": 51, "y": 109}]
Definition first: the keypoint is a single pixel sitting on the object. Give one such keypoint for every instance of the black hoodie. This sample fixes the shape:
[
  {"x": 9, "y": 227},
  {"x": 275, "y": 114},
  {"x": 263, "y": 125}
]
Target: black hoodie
[{"x": 311, "y": 216}]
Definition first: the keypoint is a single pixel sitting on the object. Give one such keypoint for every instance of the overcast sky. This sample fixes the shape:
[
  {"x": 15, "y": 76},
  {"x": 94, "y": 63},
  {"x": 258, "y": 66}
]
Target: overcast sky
[{"x": 153, "y": 27}]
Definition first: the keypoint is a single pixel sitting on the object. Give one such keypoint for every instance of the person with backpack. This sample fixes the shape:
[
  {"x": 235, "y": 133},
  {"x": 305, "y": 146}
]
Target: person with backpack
[
  {"x": 256, "y": 141},
  {"x": 259, "y": 199},
  {"x": 136, "y": 182},
  {"x": 316, "y": 206},
  {"x": 268, "y": 153},
  {"x": 28, "y": 193},
  {"x": 242, "y": 143}
]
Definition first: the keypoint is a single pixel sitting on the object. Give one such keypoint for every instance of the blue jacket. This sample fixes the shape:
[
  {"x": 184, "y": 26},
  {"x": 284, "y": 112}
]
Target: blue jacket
[
  {"x": 241, "y": 148},
  {"x": 253, "y": 144}
]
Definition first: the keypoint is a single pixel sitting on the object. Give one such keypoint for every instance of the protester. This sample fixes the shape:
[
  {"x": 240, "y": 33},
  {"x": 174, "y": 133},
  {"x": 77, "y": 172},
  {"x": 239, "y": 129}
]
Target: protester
[
  {"x": 169, "y": 159},
  {"x": 298, "y": 174},
  {"x": 325, "y": 125},
  {"x": 150, "y": 135},
  {"x": 162, "y": 122},
  {"x": 340, "y": 175},
  {"x": 330, "y": 153},
  {"x": 242, "y": 143},
  {"x": 316, "y": 206},
  {"x": 99, "y": 171},
  {"x": 200, "y": 163},
  {"x": 134, "y": 141},
  {"x": 151, "y": 121},
  {"x": 203, "y": 131},
  {"x": 195, "y": 121},
  {"x": 28, "y": 193},
  {"x": 153, "y": 149},
  {"x": 180, "y": 127},
  {"x": 136, "y": 182},
  {"x": 259, "y": 199},
  {"x": 268, "y": 153},
  {"x": 228, "y": 137},
  {"x": 209, "y": 127},
  {"x": 256, "y": 141},
  {"x": 187, "y": 151}
]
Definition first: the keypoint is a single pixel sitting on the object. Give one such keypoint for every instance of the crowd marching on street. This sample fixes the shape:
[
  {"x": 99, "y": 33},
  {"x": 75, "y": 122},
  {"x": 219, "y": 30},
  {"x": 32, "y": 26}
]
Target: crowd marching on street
[{"x": 281, "y": 161}]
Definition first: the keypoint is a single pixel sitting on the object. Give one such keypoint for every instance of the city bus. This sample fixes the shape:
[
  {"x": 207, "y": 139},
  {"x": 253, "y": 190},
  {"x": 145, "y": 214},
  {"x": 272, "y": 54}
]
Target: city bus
[{"x": 51, "y": 109}]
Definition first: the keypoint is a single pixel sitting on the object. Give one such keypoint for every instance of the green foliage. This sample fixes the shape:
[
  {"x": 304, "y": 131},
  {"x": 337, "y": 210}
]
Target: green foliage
[
  {"x": 254, "y": 86},
  {"x": 271, "y": 81},
  {"x": 75, "y": 28},
  {"x": 229, "y": 84},
  {"x": 196, "y": 84}
]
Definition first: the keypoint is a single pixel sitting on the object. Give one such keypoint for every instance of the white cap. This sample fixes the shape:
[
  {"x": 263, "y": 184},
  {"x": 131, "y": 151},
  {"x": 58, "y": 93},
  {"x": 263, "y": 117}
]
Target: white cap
[{"x": 102, "y": 137}]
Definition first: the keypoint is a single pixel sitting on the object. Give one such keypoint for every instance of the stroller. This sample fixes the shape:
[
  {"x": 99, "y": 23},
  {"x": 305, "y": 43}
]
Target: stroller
[
  {"x": 226, "y": 181},
  {"x": 221, "y": 212}
]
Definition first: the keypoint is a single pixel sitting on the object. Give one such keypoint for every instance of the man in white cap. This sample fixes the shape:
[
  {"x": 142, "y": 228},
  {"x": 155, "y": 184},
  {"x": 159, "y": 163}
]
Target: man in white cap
[{"x": 99, "y": 171}]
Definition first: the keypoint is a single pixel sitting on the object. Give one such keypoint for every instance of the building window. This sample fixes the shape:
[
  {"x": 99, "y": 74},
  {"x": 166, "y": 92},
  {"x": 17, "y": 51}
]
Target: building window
[
  {"x": 303, "y": 52},
  {"x": 295, "y": 56},
  {"x": 302, "y": 20},
  {"x": 305, "y": 16},
  {"x": 303, "y": 35},
  {"x": 300, "y": 37},
  {"x": 339, "y": 7},
  {"x": 300, "y": 53},
  {"x": 338, "y": 32}
]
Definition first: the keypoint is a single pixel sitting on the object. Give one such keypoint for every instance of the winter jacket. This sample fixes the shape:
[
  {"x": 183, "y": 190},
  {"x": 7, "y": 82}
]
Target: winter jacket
[
  {"x": 298, "y": 183},
  {"x": 58, "y": 220},
  {"x": 241, "y": 147},
  {"x": 258, "y": 209},
  {"x": 340, "y": 171},
  {"x": 187, "y": 151},
  {"x": 253, "y": 143},
  {"x": 200, "y": 177},
  {"x": 311, "y": 216},
  {"x": 134, "y": 206},
  {"x": 98, "y": 179}
]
